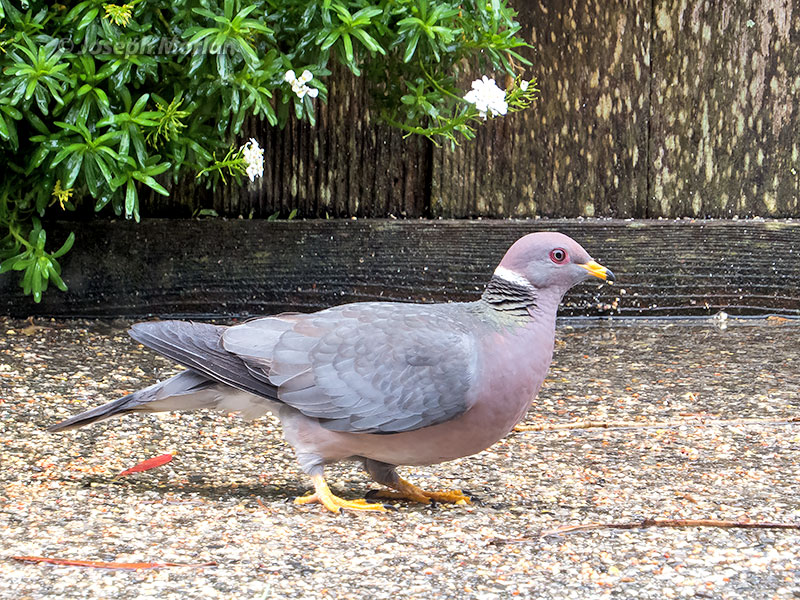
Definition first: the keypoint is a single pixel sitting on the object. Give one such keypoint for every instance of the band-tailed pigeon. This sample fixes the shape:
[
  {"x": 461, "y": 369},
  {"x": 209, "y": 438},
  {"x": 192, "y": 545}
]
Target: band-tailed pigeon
[{"x": 382, "y": 382}]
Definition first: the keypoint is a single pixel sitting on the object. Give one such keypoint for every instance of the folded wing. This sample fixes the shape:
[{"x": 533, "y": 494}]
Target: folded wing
[{"x": 365, "y": 368}]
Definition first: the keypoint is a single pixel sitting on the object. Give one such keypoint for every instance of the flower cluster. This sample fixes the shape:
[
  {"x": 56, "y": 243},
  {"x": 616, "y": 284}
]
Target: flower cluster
[
  {"x": 299, "y": 86},
  {"x": 253, "y": 156},
  {"x": 61, "y": 195},
  {"x": 119, "y": 14},
  {"x": 487, "y": 97}
]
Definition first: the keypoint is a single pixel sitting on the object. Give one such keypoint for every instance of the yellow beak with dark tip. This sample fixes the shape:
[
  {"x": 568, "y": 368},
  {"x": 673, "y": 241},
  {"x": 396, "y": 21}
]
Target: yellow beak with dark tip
[{"x": 597, "y": 270}]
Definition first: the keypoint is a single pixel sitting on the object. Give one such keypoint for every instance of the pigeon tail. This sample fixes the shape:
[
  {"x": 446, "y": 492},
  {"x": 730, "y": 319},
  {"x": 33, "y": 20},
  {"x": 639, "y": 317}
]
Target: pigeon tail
[
  {"x": 188, "y": 390},
  {"x": 100, "y": 413}
]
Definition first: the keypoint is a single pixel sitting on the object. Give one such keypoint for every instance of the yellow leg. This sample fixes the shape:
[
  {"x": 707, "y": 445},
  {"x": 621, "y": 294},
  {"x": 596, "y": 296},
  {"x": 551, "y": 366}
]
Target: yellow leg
[
  {"x": 323, "y": 495},
  {"x": 408, "y": 491}
]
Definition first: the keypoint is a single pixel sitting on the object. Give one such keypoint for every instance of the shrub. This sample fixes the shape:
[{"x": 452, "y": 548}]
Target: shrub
[{"x": 99, "y": 100}]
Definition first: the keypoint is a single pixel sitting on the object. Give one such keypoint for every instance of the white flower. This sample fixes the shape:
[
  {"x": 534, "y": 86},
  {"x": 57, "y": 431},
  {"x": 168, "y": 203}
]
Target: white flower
[
  {"x": 299, "y": 86},
  {"x": 487, "y": 97},
  {"x": 299, "y": 89},
  {"x": 523, "y": 85},
  {"x": 253, "y": 156}
]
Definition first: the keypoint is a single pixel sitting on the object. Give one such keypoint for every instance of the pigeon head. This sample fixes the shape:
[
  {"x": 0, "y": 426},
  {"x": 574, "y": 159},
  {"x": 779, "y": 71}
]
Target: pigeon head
[{"x": 549, "y": 260}]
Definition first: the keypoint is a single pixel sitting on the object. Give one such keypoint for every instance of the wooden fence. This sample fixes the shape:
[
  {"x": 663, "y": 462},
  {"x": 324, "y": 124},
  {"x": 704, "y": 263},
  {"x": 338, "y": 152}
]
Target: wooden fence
[{"x": 648, "y": 108}]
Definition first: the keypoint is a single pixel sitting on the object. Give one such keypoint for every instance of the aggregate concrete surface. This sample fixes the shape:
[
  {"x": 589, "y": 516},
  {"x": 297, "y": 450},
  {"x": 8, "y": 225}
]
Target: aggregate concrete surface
[{"x": 650, "y": 420}]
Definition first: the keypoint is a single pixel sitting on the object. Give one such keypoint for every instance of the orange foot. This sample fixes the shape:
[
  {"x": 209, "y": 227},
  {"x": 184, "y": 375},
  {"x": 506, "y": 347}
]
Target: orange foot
[
  {"x": 323, "y": 495},
  {"x": 408, "y": 491}
]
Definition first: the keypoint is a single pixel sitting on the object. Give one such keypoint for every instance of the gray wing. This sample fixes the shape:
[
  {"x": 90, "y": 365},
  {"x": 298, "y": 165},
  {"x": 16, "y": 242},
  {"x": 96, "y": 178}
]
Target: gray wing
[{"x": 368, "y": 368}]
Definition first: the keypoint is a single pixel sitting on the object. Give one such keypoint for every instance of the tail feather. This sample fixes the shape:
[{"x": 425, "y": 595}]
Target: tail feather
[
  {"x": 149, "y": 399},
  {"x": 99, "y": 413}
]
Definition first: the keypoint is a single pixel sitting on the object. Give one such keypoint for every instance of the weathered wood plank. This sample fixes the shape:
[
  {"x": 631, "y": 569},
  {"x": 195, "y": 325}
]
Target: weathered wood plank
[
  {"x": 582, "y": 150},
  {"x": 725, "y": 127},
  {"x": 242, "y": 267}
]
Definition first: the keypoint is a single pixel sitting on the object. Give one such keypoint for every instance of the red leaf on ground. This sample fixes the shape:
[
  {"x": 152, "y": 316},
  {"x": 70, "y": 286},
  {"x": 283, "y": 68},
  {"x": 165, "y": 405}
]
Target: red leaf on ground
[
  {"x": 96, "y": 564},
  {"x": 150, "y": 463}
]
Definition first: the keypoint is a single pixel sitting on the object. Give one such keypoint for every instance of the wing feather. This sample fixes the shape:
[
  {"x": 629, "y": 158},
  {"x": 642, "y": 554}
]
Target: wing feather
[
  {"x": 369, "y": 367},
  {"x": 197, "y": 346}
]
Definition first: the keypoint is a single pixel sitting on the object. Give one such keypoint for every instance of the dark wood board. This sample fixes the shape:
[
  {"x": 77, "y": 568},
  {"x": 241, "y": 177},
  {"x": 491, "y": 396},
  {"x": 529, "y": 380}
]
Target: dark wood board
[{"x": 216, "y": 267}]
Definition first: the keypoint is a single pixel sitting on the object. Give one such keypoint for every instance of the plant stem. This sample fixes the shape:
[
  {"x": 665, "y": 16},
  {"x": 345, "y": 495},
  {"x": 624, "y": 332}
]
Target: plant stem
[
  {"x": 439, "y": 87},
  {"x": 13, "y": 231}
]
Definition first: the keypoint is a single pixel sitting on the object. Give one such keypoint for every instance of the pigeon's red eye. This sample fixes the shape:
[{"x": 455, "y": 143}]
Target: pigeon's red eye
[{"x": 558, "y": 256}]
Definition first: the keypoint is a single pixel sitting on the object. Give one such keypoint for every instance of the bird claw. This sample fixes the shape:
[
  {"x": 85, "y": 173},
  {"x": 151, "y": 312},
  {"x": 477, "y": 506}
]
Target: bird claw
[
  {"x": 452, "y": 496},
  {"x": 323, "y": 495},
  {"x": 407, "y": 491},
  {"x": 335, "y": 503}
]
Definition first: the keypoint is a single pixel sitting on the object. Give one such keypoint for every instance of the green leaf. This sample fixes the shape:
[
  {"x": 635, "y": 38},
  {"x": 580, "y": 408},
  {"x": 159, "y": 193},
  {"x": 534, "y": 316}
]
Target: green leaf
[
  {"x": 44, "y": 270},
  {"x": 130, "y": 199},
  {"x": 37, "y": 123},
  {"x": 368, "y": 41},
  {"x": 4, "y": 133},
  {"x": 38, "y": 156},
  {"x": 11, "y": 263},
  {"x": 41, "y": 239},
  {"x": 330, "y": 40},
  {"x": 11, "y": 111},
  {"x": 104, "y": 170},
  {"x": 348, "y": 48},
  {"x": 55, "y": 277},
  {"x": 87, "y": 18},
  {"x": 101, "y": 95},
  {"x": 24, "y": 263},
  {"x": 364, "y": 16},
  {"x": 73, "y": 167},
  {"x": 101, "y": 203},
  {"x": 65, "y": 247},
  {"x": 223, "y": 66},
  {"x": 206, "y": 212},
  {"x": 151, "y": 183},
  {"x": 30, "y": 88},
  {"x": 35, "y": 281},
  {"x": 76, "y": 10},
  {"x": 41, "y": 100},
  {"x": 411, "y": 47},
  {"x": 140, "y": 104},
  {"x": 91, "y": 176},
  {"x": 242, "y": 14},
  {"x": 205, "y": 12},
  {"x": 158, "y": 169}
]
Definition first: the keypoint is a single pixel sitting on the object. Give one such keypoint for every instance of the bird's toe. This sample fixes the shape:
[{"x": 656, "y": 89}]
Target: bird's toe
[{"x": 323, "y": 495}]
